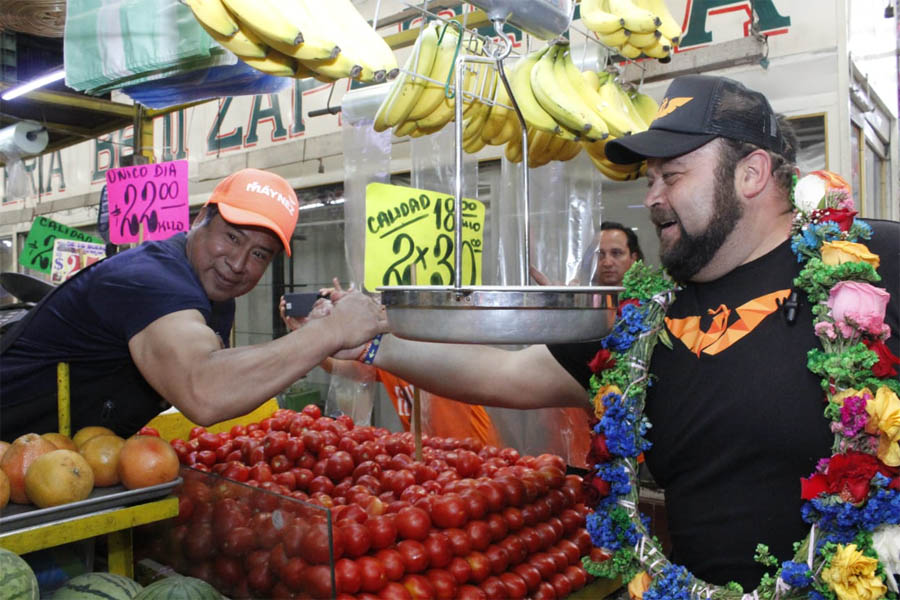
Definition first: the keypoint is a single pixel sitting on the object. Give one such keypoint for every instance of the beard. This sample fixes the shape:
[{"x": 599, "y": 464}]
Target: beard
[{"x": 690, "y": 253}]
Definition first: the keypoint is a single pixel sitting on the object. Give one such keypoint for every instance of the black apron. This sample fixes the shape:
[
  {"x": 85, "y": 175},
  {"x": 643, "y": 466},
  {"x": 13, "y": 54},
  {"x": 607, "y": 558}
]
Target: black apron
[{"x": 121, "y": 400}]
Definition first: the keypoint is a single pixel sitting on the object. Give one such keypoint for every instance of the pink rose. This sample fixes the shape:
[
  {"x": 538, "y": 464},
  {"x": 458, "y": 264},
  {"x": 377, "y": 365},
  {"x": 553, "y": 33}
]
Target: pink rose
[{"x": 859, "y": 305}]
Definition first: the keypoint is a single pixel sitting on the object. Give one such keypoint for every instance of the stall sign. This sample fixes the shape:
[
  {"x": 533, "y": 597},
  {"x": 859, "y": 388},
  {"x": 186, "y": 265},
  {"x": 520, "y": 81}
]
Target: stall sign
[
  {"x": 147, "y": 202},
  {"x": 38, "y": 251},
  {"x": 413, "y": 230},
  {"x": 70, "y": 256}
]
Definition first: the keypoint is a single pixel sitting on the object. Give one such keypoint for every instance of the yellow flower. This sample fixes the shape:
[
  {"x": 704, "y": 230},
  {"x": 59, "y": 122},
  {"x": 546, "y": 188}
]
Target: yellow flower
[
  {"x": 852, "y": 575},
  {"x": 884, "y": 418},
  {"x": 639, "y": 584},
  {"x": 841, "y": 396},
  {"x": 839, "y": 252},
  {"x": 599, "y": 408}
]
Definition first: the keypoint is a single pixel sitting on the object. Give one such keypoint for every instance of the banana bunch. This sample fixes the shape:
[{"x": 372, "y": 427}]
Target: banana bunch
[
  {"x": 298, "y": 38},
  {"x": 626, "y": 112},
  {"x": 633, "y": 28},
  {"x": 417, "y": 102}
]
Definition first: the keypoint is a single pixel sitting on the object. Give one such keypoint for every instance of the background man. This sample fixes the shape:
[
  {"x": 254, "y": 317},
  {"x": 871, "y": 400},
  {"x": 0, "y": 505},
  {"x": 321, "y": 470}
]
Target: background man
[{"x": 150, "y": 326}]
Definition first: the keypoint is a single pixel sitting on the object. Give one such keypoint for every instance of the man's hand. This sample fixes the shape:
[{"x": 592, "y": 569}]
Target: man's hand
[
  {"x": 357, "y": 319},
  {"x": 540, "y": 278}
]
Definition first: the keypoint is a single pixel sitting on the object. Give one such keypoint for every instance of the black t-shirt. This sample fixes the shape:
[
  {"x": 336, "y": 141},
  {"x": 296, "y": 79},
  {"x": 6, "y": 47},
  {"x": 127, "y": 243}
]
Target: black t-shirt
[
  {"x": 88, "y": 322},
  {"x": 736, "y": 414}
]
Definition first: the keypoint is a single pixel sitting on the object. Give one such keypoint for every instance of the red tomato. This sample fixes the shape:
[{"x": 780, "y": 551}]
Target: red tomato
[
  {"x": 339, "y": 465},
  {"x": 529, "y": 574},
  {"x": 577, "y": 576},
  {"x": 206, "y": 457},
  {"x": 561, "y": 584},
  {"x": 515, "y": 547},
  {"x": 285, "y": 479},
  {"x": 292, "y": 536},
  {"x": 228, "y": 570},
  {"x": 371, "y": 574},
  {"x": 439, "y": 549},
  {"x": 238, "y": 542},
  {"x": 443, "y": 582},
  {"x": 320, "y": 483},
  {"x": 260, "y": 580},
  {"x": 583, "y": 539},
  {"x": 459, "y": 541},
  {"x": 493, "y": 493},
  {"x": 208, "y": 441},
  {"x": 470, "y": 592},
  {"x": 382, "y": 531},
  {"x": 356, "y": 537},
  {"x": 347, "y": 576},
  {"x": 545, "y": 591},
  {"x": 516, "y": 589},
  {"x": 415, "y": 558},
  {"x": 460, "y": 569},
  {"x": 412, "y": 523},
  {"x": 261, "y": 472},
  {"x": 314, "y": 548},
  {"x": 449, "y": 510},
  {"x": 547, "y": 532},
  {"x": 418, "y": 586},
  {"x": 392, "y": 560},
  {"x": 392, "y": 591},
  {"x": 571, "y": 550},
  {"x": 479, "y": 533},
  {"x": 544, "y": 563},
  {"x": 559, "y": 559},
  {"x": 318, "y": 581},
  {"x": 497, "y": 525},
  {"x": 237, "y": 430},
  {"x": 498, "y": 557},
  {"x": 480, "y": 566},
  {"x": 196, "y": 431},
  {"x": 494, "y": 589},
  {"x": 147, "y": 430}
]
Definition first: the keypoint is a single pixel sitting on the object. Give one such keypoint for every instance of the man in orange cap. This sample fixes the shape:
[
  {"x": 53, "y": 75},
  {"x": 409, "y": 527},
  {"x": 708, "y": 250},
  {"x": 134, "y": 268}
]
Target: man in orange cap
[{"x": 149, "y": 327}]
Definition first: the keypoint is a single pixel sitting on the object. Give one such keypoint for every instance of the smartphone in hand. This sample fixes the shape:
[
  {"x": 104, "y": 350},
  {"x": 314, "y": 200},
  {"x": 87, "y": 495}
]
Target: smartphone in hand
[{"x": 298, "y": 304}]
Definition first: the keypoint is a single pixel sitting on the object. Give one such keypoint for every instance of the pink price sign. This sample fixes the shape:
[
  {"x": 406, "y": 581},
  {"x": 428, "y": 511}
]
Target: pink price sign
[{"x": 152, "y": 197}]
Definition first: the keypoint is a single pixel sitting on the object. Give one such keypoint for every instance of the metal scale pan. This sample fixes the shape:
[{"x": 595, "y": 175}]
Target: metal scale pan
[{"x": 502, "y": 314}]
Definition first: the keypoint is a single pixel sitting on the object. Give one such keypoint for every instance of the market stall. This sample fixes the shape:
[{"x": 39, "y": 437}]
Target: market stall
[{"x": 290, "y": 501}]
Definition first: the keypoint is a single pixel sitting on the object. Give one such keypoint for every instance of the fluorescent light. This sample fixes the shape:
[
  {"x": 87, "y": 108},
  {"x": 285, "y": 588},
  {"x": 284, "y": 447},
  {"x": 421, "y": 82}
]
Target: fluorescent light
[
  {"x": 312, "y": 205},
  {"x": 34, "y": 84}
]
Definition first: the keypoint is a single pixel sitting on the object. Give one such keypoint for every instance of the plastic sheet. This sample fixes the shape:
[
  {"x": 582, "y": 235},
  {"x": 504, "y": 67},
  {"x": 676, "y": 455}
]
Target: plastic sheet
[
  {"x": 238, "y": 79},
  {"x": 350, "y": 397}
]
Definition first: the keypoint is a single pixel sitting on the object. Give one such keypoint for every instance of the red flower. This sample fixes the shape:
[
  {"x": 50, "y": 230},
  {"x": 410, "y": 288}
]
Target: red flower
[
  {"x": 848, "y": 476},
  {"x": 595, "y": 489},
  {"x": 886, "y": 359},
  {"x": 894, "y": 484},
  {"x": 841, "y": 216},
  {"x": 598, "y": 453},
  {"x": 602, "y": 360},
  {"x": 624, "y": 303}
]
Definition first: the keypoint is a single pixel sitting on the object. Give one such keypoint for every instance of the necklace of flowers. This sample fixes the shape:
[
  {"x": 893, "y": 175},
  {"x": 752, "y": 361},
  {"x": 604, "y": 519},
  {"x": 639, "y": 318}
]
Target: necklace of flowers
[{"x": 852, "y": 500}]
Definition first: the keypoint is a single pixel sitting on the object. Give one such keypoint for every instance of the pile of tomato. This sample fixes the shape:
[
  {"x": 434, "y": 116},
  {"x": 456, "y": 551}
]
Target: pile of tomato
[{"x": 467, "y": 521}]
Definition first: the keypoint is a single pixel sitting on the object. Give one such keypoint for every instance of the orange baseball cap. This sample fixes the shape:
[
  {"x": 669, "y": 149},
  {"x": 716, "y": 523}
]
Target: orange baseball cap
[{"x": 255, "y": 197}]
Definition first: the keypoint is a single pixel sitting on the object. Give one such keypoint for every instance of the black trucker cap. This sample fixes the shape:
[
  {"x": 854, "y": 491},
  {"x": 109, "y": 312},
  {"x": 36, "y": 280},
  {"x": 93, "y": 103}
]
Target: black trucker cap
[{"x": 697, "y": 109}]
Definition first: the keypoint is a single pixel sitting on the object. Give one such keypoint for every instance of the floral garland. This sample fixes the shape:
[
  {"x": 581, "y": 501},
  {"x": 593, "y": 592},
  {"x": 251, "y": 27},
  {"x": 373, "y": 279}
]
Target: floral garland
[{"x": 852, "y": 500}]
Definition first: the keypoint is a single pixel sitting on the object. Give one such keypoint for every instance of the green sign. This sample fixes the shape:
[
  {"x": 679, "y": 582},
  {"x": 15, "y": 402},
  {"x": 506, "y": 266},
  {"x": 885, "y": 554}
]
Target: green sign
[{"x": 38, "y": 251}]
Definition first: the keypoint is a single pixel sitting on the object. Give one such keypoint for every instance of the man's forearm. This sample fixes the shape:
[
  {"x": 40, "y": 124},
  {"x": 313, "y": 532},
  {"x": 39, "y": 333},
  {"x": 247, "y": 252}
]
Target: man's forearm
[{"x": 477, "y": 374}]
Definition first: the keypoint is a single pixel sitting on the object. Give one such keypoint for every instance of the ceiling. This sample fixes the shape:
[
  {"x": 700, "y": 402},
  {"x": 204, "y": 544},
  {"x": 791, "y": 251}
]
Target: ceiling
[{"x": 69, "y": 116}]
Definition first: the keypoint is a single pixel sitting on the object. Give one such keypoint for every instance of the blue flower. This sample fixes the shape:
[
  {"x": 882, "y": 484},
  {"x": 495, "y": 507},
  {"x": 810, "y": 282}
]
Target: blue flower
[
  {"x": 796, "y": 574},
  {"x": 672, "y": 584}
]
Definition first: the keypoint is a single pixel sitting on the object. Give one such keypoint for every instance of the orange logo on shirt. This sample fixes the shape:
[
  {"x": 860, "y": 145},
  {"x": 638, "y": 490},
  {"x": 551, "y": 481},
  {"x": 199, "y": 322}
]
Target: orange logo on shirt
[
  {"x": 720, "y": 335},
  {"x": 669, "y": 105}
]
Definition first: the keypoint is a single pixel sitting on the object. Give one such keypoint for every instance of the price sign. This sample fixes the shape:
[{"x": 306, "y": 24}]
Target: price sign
[
  {"x": 38, "y": 251},
  {"x": 153, "y": 195},
  {"x": 410, "y": 229},
  {"x": 70, "y": 256}
]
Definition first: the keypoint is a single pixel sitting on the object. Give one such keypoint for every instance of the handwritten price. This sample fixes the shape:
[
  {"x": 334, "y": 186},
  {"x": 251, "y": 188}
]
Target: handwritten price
[{"x": 149, "y": 197}]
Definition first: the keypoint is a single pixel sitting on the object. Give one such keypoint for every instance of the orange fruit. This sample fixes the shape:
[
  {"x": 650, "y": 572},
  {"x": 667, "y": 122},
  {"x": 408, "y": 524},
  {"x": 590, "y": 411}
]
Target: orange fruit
[
  {"x": 146, "y": 460},
  {"x": 102, "y": 454},
  {"x": 58, "y": 477},
  {"x": 60, "y": 440},
  {"x": 24, "y": 450},
  {"x": 86, "y": 433},
  {"x": 4, "y": 490}
]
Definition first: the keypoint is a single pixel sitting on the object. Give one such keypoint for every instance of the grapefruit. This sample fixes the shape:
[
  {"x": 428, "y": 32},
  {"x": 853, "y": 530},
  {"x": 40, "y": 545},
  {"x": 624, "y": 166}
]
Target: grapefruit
[
  {"x": 102, "y": 454},
  {"x": 58, "y": 477},
  {"x": 146, "y": 460},
  {"x": 86, "y": 433},
  {"x": 16, "y": 460},
  {"x": 60, "y": 440}
]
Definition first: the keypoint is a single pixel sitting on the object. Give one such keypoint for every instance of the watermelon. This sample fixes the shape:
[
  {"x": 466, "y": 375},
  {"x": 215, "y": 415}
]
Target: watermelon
[
  {"x": 94, "y": 586},
  {"x": 17, "y": 580},
  {"x": 179, "y": 587}
]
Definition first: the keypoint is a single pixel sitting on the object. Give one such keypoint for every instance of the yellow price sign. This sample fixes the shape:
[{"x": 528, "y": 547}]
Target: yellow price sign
[{"x": 408, "y": 229}]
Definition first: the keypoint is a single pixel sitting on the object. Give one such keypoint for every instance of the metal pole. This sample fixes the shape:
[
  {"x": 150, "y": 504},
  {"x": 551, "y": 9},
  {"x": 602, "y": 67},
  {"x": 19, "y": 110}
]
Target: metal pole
[{"x": 457, "y": 189}]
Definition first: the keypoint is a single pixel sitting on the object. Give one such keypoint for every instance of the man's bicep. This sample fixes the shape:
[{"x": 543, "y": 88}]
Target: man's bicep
[{"x": 166, "y": 350}]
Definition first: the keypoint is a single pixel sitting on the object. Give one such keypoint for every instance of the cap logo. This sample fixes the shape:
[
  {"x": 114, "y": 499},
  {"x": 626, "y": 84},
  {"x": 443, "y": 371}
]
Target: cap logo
[
  {"x": 265, "y": 190},
  {"x": 669, "y": 105}
]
